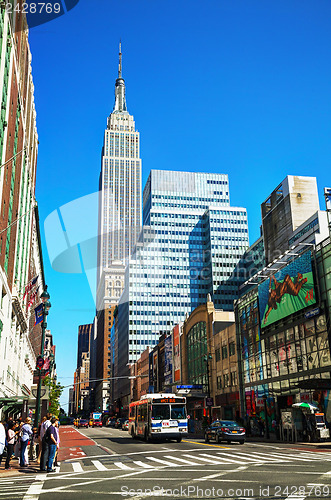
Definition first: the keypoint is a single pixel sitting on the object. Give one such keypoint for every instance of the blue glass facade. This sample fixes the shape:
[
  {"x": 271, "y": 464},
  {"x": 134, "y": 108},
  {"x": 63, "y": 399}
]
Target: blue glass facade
[{"x": 191, "y": 245}]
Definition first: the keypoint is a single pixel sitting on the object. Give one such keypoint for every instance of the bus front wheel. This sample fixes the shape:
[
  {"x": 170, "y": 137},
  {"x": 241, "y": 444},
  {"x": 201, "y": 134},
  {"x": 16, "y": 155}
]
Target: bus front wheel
[
  {"x": 179, "y": 439},
  {"x": 133, "y": 435}
]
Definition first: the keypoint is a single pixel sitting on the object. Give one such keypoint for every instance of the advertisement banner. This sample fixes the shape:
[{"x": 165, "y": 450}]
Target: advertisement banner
[
  {"x": 176, "y": 351},
  {"x": 168, "y": 360},
  {"x": 288, "y": 291}
]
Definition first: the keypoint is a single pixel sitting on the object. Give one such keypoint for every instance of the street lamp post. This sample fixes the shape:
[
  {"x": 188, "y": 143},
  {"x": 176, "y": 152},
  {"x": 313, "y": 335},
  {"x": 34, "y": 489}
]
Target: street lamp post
[
  {"x": 207, "y": 358},
  {"x": 266, "y": 417},
  {"x": 46, "y": 306}
]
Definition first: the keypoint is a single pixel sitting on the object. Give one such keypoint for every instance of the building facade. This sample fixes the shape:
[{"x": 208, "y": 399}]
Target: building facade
[
  {"x": 20, "y": 249},
  {"x": 190, "y": 246}
]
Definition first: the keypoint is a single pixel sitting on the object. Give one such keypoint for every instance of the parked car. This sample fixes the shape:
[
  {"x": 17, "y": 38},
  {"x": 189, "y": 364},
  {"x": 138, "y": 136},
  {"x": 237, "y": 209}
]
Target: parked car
[
  {"x": 225, "y": 430},
  {"x": 82, "y": 423},
  {"x": 90, "y": 422},
  {"x": 119, "y": 422},
  {"x": 97, "y": 423},
  {"x": 125, "y": 425},
  {"x": 111, "y": 422}
]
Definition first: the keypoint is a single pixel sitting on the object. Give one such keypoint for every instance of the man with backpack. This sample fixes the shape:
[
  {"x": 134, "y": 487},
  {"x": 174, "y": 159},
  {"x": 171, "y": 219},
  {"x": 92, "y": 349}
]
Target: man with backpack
[
  {"x": 44, "y": 444},
  {"x": 51, "y": 439}
]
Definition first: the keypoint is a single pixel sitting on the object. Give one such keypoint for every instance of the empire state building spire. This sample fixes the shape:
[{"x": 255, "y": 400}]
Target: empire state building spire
[{"x": 120, "y": 103}]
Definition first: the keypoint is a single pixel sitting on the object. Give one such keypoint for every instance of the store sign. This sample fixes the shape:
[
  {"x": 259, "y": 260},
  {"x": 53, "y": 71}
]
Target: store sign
[
  {"x": 260, "y": 402},
  {"x": 304, "y": 397}
]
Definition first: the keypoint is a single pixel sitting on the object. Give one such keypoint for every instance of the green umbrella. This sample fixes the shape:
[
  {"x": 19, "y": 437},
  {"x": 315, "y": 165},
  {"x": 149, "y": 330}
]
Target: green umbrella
[{"x": 305, "y": 405}]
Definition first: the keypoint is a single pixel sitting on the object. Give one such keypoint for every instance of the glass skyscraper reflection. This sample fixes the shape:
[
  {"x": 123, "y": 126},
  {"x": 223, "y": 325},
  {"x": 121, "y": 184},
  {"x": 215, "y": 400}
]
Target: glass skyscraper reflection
[{"x": 191, "y": 245}]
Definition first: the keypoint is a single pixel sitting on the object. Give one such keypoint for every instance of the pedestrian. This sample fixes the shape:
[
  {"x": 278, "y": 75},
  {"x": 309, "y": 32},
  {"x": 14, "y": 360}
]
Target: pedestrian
[
  {"x": 26, "y": 435},
  {"x": 11, "y": 439},
  {"x": 57, "y": 442},
  {"x": 33, "y": 444},
  {"x": 2, "y": 440},
  {"x": 44, "y": 444},
  {"x": 17, "y": 447},
  {"x": 51, "y": 439}
]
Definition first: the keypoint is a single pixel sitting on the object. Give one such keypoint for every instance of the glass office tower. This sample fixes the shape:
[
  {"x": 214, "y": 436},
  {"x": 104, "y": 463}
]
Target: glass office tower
[{"x": 191, "y": 245}]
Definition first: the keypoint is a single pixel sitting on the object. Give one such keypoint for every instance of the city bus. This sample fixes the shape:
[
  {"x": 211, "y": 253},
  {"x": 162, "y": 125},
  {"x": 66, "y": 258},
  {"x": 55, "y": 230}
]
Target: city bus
[{"x": 158, "y": 416}]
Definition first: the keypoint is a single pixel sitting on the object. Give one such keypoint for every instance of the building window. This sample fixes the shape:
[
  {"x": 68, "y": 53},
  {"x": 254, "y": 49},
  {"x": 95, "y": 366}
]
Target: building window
[
  {"x": 226, "y": 380},
  {"x": 224, "y": 352},
  {"x": 232, "y": 348},
  {"x": 233, "y": 378},
  {"x": 217, "y": 355},
  {"x": 219, "y": 382}
]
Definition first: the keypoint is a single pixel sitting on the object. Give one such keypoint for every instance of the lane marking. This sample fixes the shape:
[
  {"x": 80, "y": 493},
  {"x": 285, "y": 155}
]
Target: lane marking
[
  {"x": 230, "y": 460},
  {"x": 77, "y": 467},
  {"x": 34, "y": 491},
  {"x": 143, "y": 464},
  {"x": 98, "y": 465},
  {"x": 203, "y": 459},
  {"x": 163, "y": 462},
  {"x": 207, "y": 444},
  {"x": 188, "y": 462},
  {"x": 120, "y": 465},
  {"x": 212, "y": 476}
]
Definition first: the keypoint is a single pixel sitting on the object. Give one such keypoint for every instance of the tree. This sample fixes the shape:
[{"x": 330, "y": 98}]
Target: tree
[{"x": 55, "y": 391}]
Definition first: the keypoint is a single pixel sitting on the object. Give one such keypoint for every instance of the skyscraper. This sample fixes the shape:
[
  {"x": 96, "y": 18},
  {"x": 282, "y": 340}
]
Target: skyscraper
[
  {"x": 191, "y": 245},
  {"x": 119, "y": 221},
  {"x": 120, "y": 183}
]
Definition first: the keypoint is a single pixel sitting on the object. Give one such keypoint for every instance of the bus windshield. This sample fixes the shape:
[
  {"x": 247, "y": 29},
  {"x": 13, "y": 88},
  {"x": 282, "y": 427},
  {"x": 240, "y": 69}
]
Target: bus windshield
[
  {"x": 178, "y": 411},
  {"x": 160, "y": 412}
]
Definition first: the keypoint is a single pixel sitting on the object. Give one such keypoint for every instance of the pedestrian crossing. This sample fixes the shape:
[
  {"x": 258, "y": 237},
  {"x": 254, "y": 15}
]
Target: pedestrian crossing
[
  {"x": 189, "y": 458},
  {"x": 14, "y": 487}
]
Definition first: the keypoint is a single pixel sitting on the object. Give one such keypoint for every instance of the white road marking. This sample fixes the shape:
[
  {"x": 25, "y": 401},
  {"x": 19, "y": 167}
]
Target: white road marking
[
  {"x": 210, "y": 461},
  {"x": 163, "y": 462},
  {"x": 120, "y": 465},
  {"x": 34, "y": 491},
  {"x": 143, "y": 464},
  {"x": 188, "y": 462},
  {"x": 98, "y": 465},
  {"x": 77, "y": 467}
]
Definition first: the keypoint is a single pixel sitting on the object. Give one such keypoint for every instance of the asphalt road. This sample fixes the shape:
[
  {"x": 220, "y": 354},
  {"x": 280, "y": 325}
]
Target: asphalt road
[{"x": 115, "y": 466}]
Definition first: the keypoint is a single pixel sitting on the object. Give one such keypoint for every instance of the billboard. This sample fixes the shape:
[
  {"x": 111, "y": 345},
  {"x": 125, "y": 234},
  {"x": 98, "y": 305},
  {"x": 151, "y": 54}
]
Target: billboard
[
  {"x": 168, "y": 360},
  {"x": 288, "y": 291},
  {"x": 176, "y": 353}
]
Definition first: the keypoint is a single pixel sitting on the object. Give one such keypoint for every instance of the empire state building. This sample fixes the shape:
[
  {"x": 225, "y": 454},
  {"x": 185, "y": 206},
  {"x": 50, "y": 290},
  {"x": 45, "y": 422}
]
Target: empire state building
[{"x": 120, "y": 184}]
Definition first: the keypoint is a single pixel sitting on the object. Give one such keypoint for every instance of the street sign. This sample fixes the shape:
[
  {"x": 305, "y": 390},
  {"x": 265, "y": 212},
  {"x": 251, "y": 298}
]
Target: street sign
[
  {"x": 40, "y": 362},
  {"x": 194, "y": 386},
  {"x": 35, "y": 390},
  {"x": 312, "y": 313}
]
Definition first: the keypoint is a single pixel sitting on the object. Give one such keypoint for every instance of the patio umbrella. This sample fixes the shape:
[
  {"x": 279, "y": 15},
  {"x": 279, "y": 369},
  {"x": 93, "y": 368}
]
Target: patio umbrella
[{"x": 305, "y": 405}]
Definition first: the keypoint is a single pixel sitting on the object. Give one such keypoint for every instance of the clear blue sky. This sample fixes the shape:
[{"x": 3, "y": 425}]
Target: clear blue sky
[{"x": 232, "y": 86}]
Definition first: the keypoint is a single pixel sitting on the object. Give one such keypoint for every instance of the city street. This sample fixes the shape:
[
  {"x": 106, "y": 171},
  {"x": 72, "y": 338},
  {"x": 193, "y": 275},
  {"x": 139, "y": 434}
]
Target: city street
[{"x": 108, "y": 462}]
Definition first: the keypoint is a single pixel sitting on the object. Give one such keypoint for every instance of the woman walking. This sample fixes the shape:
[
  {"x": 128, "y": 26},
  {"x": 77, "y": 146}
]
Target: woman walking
[
  {"x": 26, "y": 434},
  {"x": 11, "y": 438}
]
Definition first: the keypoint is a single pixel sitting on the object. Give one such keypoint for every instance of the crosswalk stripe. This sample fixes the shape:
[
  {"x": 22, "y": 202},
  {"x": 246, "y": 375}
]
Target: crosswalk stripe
[
  {"x": 225, "y": 459},
  {"x": 120, "y": 465},
  {"x": 289, "y": 457},
  {"x": 142, "y": 464},
  {"x": 98, "y": 465},
  {"x": 77, "y": 467},
  {"x": 244, "y": 456},
  {"x": 187, "y": 462},
  {"x": 210, "y": 461},
  {"x": 163, "y": 462},
  {"x": 270, "y": 457}
]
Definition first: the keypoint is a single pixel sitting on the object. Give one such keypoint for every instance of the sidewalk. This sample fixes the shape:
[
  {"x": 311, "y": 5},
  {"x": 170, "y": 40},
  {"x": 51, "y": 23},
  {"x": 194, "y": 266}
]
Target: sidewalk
[{"x": 71, "y": 442}]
